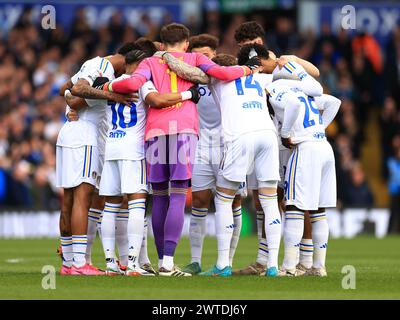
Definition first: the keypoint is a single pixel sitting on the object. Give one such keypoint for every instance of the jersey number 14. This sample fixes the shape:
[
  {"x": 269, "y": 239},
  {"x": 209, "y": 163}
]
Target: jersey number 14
[{"x": 248, "y": 83}]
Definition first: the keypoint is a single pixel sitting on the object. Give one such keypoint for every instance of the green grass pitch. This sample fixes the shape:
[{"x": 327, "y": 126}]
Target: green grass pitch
[{"x": 377, "y": 264}]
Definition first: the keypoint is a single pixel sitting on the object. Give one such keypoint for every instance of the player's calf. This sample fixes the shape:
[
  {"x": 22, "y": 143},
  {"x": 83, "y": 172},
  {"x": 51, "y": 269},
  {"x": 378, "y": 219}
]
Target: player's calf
[
  {"x": 320, "y": 235},
  {"x": 292, "y": 234},
  {"x": 269, "y": 202}
]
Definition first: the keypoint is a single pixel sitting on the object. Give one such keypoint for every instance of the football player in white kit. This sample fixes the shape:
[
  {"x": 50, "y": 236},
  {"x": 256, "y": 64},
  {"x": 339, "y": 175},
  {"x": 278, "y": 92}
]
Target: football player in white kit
[
  {"x": 124, "y": 171},
  {"x": 310, "y": 181},
  {"x": 282, "y": 66},
  {"x": 78, "y": 162},
  {"x": 250, "y": 141},
  {"x": 251, "y": 32}
]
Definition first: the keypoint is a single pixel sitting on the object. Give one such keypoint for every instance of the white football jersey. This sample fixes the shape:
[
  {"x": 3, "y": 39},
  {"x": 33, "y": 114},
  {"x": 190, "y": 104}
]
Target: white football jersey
[
  {"x": 126, "y": 126},
  {"x": 91, "y": 128},
  {"x": 243, "y": 105},
  {"x": 209, "y": 119},
  {"x": 308, "y": 125}
]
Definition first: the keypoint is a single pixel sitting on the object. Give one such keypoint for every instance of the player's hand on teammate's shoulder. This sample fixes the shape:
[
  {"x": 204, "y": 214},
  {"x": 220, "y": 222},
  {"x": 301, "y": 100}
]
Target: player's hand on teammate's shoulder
[
  {"x": 195, "y": 93},
  {"x": 72, "y": 115},
  {"x": 287, "y": 142},
  {"x": 284, "y": 59},
  {"x": 254, "y": 64}
]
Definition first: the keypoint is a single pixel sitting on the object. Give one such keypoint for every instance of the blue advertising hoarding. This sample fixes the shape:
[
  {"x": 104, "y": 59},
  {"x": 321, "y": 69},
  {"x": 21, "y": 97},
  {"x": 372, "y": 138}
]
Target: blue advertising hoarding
[
  {"x": 97, "y": 12},
  {"x": 376, "y": 18}
]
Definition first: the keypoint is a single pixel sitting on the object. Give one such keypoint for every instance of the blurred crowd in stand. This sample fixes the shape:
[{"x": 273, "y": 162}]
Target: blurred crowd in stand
[{"x": 34, "y": 62}]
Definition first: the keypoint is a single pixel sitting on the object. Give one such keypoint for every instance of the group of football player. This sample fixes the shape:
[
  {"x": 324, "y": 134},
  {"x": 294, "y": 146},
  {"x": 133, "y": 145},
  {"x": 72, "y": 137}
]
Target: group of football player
[{"x": 162, "y": 118}]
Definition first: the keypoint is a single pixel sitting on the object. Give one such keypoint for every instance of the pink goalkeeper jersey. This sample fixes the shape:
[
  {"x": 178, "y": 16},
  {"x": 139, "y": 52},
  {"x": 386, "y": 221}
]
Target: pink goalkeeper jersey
[{"x": 182, "y": 117}]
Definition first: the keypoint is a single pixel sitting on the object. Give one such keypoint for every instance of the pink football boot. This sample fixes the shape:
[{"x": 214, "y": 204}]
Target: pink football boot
[
  {"x": 65, "y": 271},
  {"x": 86, "y": 270}
]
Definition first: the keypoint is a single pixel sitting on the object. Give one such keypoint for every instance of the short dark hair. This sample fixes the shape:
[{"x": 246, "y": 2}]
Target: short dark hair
[
  {"x": 244, "y": 52},
  {"x": 174, "y": 33},
  {"x": 147, "y": 46},
  {"x": 126, "y": 47},
  {"x": 135, "y": 56},
  {"x": 224, "y": 59},
  {"x": 249, "y": 30},
  {"x": 203, "y": 40}
]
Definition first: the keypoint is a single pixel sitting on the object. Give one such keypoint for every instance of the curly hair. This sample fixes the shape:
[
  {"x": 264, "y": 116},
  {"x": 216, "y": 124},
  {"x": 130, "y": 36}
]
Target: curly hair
[{"x": 249, "y": 31}]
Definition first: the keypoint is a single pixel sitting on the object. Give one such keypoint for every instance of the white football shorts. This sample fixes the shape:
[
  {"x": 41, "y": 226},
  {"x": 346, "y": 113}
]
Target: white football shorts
[
  {"x": 123, "y": 177},
  {"x": 254, "y": 155},
  {"x": 310, "y": 181},
  {"x": 206, "y": 168},
  {"x": 76, "y": 165}
]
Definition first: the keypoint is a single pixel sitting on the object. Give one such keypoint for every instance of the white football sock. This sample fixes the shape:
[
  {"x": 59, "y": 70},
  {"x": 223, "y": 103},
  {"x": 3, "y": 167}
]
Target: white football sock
[
  {"x": 320, "y": 235},
  {"x": 262, "y": 254},
  {"x": 137, "y": 210},
  {"x": 79, "y": 243},
  {"x": 93, "y": 218},
  {"x": 99, "y": 224},
  {"x": 67, "y": 252},
  {"x": 108, "y": 229},
  {"x": 237, "y": 222},
  {"x": 223, "y": 227},
  {"x": 260, "y": 224},
  {"x": 160, "y": 261},
  {"x": 292, "y": 233},
  {"x": 197, "y": 232},
  {"x": 121, "y": 235},
  {"x": 269, "y": 203},
  {"x": 306, "y": 252},
  {"x": 168, "y": 262},
  {"x": 144, "y": 256}
]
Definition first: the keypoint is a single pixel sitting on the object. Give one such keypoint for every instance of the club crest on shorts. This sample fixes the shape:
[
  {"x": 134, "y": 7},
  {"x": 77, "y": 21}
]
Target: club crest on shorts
[{"x": 94, "y": 175}]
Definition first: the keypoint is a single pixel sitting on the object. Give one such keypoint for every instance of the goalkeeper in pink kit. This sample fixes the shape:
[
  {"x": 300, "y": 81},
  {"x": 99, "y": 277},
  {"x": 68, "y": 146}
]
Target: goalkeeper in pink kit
[{"x": 171, "y": 137}]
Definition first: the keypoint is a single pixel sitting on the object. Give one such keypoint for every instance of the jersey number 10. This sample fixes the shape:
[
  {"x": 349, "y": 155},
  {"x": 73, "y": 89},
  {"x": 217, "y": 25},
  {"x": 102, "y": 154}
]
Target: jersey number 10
[
  {"x": 307, "y": 122},
  {"x": 118, "y": 118}
]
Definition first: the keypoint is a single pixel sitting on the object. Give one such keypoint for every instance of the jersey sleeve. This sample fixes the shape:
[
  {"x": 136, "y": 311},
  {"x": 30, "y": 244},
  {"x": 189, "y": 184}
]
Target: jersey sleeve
[
  {"x": 220, "y": 72},
  {"x": 134, "y": 82},
  {"x": 90, "y": 71},
  {"x": 329, "y": 105},
  {"x": 305, "y": 82},
  {"x": 291, "y": 106},
  {"x": 75, "y": 78},
  {"x": 147, "y": 88}
]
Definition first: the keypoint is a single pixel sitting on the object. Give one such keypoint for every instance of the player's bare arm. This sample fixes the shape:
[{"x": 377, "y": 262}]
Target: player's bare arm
[
  {"x": 75, "y": 103},
  {"x": 165, "y": 100},
  {"x": 182, "y": 69},
  {"x": 308, "y": 66},
  {"x": 83, "y": 89},
  {"x": 65, "y": 86}
]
